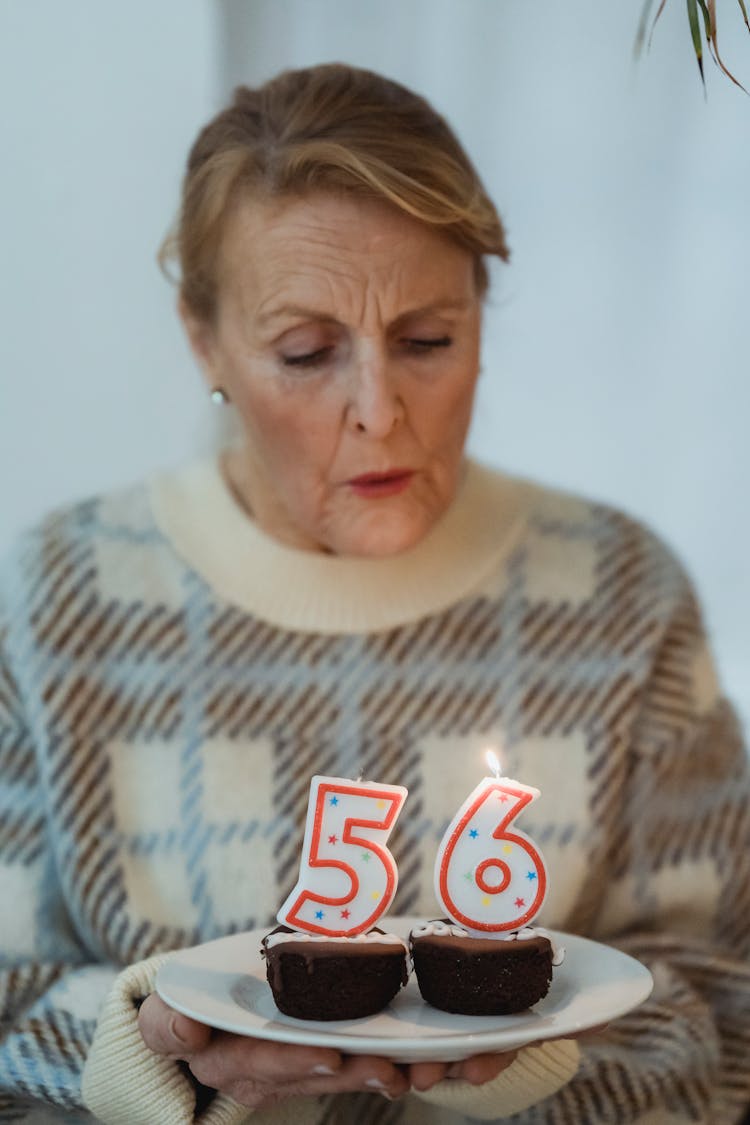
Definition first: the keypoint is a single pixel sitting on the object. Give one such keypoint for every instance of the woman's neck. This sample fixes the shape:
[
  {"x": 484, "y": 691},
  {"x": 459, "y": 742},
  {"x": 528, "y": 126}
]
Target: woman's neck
[{"x": 208, "y": 525}]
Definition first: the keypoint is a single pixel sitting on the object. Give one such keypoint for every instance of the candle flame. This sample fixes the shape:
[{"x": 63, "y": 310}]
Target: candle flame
[{"x": 493, "y": 762}]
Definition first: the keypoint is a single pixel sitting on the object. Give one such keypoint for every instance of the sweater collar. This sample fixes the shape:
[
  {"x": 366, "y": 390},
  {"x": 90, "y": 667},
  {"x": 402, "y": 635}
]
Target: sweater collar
[{"x": 309, "y": 592}]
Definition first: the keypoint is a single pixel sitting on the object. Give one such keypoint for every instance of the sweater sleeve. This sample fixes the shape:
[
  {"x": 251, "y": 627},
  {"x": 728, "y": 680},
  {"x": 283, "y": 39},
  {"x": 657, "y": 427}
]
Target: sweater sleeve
[
  {"x": 49, "y": 995},
  {"x": 124, "y": 1083},
  {"x": 51, "y": 990},
  {"x": 678, "y": 899}
]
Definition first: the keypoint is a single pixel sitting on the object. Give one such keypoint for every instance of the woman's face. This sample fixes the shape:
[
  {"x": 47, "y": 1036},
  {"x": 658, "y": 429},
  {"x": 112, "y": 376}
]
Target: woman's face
[{"x": 347, "y": 338}]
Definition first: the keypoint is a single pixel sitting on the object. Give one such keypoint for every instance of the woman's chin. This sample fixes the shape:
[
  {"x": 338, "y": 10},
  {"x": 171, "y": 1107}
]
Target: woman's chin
[{"x": 380, "y": 534}]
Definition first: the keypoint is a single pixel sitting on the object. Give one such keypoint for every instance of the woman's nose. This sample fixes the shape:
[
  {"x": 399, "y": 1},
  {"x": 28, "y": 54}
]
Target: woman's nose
[{"x": 375, "y": 407}]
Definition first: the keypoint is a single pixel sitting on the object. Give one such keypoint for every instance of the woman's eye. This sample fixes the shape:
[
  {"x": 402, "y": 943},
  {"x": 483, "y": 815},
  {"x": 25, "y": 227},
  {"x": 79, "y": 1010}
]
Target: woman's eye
[
  {"x": 421, "y": 345},
  {"x": 307, "y": 359}
]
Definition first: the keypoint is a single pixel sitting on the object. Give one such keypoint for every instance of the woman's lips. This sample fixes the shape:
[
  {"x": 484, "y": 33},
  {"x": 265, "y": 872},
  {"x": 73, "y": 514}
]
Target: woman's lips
[{"x": 375, "y": 485}]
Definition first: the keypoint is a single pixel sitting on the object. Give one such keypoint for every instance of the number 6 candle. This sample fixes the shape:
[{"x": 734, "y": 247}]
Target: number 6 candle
[
  {"x": 347, "y": 876},
  {"x": 487, "y": 878}
]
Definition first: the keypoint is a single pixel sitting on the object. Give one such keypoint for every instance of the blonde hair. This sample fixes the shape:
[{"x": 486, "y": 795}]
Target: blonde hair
[{"x": 334, "y": 128}]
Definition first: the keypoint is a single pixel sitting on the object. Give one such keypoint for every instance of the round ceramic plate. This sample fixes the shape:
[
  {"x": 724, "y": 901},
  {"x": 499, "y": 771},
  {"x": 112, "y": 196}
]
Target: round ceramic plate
[{"x": 223, "y": 984}]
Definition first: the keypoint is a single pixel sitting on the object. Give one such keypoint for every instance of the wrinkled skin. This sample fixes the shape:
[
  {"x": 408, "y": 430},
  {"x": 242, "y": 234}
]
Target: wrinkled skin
[{"x": 347, "y": 339}]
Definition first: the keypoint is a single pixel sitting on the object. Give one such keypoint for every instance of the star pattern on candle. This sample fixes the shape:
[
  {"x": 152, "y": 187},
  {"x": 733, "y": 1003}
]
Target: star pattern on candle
[
  {"x": 486, "y": 900},
  {"x": 345, "y": 913},
  {"x": 319, "y": 914},
  {"x": 531, "y": 874},
  {"x": 375, "y": 895},
  {"x": 520, "y": 902},
  {"x": 502, "y": 798},
  {"x": 334, "y": 800},
  {"x": 507, "y": 848},
  {"x": 333, "y": 839},
  {"x": 366, "y": 857},
  {"x": 473, "y": 833}
]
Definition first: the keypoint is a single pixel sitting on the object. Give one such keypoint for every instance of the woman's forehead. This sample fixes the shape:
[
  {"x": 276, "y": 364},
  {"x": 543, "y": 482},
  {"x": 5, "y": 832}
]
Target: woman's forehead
[{"x": 314, "y": 252}]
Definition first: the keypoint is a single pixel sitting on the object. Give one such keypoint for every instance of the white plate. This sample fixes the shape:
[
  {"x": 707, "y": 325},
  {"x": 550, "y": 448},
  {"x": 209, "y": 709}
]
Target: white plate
[{"x": 223, "y": 984}]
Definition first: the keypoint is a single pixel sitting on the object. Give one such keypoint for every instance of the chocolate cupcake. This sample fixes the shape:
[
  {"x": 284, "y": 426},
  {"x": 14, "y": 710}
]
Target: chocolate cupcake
[
  {"x": 329, "y": 978},
  {"x": 482, "y": 976}
]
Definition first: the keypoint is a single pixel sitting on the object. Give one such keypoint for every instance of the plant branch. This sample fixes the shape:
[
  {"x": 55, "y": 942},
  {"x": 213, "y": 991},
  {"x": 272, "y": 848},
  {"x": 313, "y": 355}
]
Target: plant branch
[{"x": 703, "y": 28}]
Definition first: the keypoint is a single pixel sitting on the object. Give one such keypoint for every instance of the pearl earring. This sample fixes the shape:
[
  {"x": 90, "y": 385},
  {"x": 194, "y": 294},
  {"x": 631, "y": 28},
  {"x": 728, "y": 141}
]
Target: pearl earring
[{"x": 219, "y": 397}]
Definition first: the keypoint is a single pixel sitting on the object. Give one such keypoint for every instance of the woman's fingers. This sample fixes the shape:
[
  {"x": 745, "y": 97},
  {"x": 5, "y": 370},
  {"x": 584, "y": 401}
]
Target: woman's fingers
[
  {"x": 254, "y": 1089},
  {"x": 369, "y": 1072},
  {"x": 481, "y": 1068},
  {"x": 424, "y": 1075},
  {"x": 222, "y": 1057},
  {"x": 167, "y": 1032},
  {"x": 476, "y": 1070},
  {"x": 238, "y": 1058},
  {"x": 257, "y": 1072}
]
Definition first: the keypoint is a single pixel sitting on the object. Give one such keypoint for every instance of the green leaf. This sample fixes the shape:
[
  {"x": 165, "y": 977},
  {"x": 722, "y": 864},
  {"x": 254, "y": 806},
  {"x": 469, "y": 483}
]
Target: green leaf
[
  {"x": 706, "y": 19},
  {"x": 697, "y": 9},
  {"x": 695, "y": 31}
]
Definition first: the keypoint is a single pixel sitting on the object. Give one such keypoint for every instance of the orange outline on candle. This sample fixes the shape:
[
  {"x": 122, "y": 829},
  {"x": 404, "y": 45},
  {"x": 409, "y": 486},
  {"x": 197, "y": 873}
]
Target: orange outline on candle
[
  {"x": 524, "y": 798},
  {"x": 396, "y": 802}
]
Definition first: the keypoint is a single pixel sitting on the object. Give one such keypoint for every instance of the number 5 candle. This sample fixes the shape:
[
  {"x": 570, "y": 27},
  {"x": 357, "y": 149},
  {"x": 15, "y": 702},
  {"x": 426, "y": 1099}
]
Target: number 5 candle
[
  {"x": 488, "y": 878},
  {"x": 347, "y": 876}
]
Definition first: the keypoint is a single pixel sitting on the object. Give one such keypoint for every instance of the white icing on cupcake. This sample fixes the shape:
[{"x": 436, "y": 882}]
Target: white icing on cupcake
[
  {"x": 369, "y": 938},
  {"x": 437, "y": 928}
]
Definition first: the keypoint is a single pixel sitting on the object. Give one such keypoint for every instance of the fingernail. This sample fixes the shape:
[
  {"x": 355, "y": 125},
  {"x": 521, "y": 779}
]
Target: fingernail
[
  {"x": 375, "y": 1084},
  {"x": 174, "y": 1029},
  {"x": 323, "y": 1071}
]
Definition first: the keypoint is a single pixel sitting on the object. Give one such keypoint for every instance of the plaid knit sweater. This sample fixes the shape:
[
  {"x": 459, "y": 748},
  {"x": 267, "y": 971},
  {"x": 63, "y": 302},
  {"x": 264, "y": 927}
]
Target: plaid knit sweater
[{"x": 170, "y": 679}]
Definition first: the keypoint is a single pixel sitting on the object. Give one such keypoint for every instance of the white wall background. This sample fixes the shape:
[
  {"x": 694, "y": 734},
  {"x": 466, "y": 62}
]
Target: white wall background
[
  {"x": 98, "y": 105},
  {"x": 617, "y": 342}
]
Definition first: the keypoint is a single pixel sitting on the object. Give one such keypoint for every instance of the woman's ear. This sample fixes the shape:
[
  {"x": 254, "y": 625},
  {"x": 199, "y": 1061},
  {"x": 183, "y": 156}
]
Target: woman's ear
[{"x": 202, "y": 340}]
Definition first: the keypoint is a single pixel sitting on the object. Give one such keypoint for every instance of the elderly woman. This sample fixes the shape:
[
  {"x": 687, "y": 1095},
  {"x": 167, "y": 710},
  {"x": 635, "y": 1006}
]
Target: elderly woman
[{"x": 342, "y": 591}]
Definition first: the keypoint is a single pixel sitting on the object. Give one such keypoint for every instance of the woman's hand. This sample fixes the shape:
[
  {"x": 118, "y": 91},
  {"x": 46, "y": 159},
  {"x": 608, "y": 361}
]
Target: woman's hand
[{"x": 256, "y": 1072}]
